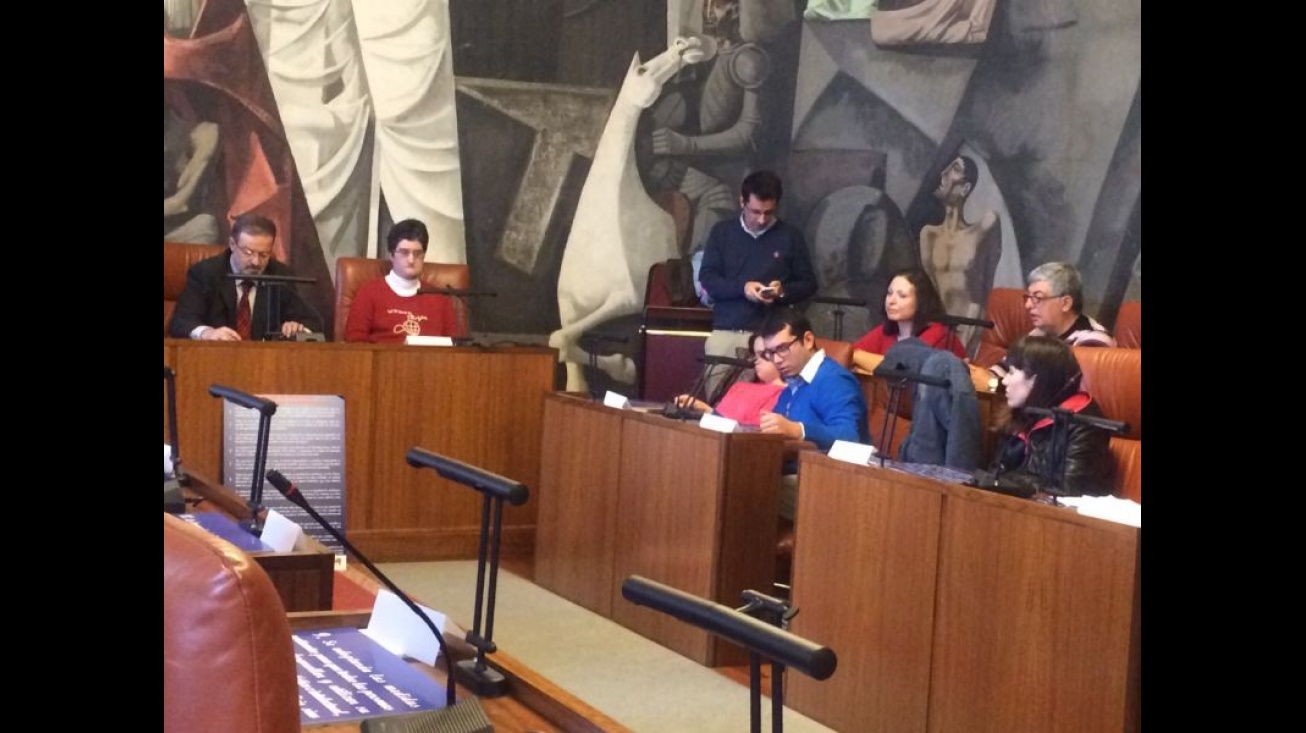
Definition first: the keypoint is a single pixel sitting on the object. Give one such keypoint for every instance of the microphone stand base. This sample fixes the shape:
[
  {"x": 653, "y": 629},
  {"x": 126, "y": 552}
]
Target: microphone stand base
[
  {"x": 466, "y": 716},
  {"x": 482, "y": 682}
]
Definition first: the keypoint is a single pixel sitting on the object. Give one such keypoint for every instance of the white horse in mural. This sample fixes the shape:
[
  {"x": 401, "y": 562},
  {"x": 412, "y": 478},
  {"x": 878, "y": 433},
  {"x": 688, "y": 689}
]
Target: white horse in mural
[{"x": 618, "y": 232}]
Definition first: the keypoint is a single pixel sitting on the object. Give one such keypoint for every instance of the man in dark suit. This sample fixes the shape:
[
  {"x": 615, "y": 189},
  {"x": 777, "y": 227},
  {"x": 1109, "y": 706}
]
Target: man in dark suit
[{"x": 213, "y": 307}]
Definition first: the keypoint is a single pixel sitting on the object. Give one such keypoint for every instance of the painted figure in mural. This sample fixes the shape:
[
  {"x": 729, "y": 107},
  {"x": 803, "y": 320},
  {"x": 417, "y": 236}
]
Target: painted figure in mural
[
  {"x": 189, "y": 149},
  {"x": 214, "y": 307},
  {"x": 708, "y": 131},
  {"x": 618, "y": 232},
  {"x": 752, "y": 265},
  {"x": 962, "y": 256},
  {"x": 388, "y": 310}
]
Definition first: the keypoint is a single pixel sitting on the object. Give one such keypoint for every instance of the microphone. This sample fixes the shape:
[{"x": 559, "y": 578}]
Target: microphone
[
  {"x": 954, "y": 321},
  {"x": 272, "y": 279},
  {"x": 1112, "y": 426},
  {"x": 265, "y": 407},
  {"x": 813, "y": 660},
  {"x": 493, "y": 484},
  {"x": 274, "y": 306},
  {"x": 900, "y": 372},
  {"x": 174, "y": 502},
  {"x": 292, "y": 493},
  {"x": 712, "y": 359}
]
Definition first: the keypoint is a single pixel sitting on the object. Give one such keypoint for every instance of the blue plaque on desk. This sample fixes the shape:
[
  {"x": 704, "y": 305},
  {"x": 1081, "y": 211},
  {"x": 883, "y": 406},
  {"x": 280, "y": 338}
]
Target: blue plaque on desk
[
  {"x": 225, "y": 527},
  {"x": 345, "y": 675}
]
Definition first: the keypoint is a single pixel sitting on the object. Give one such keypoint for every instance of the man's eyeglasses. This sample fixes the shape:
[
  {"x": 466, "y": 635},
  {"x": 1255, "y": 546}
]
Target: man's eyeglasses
[
  {"x": 247, "y": 252},
  {"x": 780, "y": 351},
  {"x": 1038, "y": 298}
]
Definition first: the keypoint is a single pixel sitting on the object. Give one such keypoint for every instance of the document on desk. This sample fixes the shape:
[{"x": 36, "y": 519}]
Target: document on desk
[
  {"x": 394, "y": 626},
  {"x": 1111, "y": 508},
  {"x": 345, "y": 675}
]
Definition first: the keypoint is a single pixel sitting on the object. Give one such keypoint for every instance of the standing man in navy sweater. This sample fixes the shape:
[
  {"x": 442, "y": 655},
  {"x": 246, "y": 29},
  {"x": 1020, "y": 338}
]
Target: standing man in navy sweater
[{"x": 751, "y": 265}]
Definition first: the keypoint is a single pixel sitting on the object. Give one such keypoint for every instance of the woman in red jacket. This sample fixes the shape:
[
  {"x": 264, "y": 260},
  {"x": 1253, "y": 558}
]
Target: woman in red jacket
[{"x": 911, "y": 306}]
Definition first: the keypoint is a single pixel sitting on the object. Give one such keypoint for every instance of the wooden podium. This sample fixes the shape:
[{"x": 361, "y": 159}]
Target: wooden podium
[
  {"x": 477, "y": 405},
  {"x": 627, "y": 493},
  {"x": 957, "y": 609}
]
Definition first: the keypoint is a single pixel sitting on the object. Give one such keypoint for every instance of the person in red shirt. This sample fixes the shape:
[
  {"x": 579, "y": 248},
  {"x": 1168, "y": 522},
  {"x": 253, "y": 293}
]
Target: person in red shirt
[
  {"x": 388, "y": 309},
  {"x": 744, "y": 402},
  {"x": 910, "y": 307}
]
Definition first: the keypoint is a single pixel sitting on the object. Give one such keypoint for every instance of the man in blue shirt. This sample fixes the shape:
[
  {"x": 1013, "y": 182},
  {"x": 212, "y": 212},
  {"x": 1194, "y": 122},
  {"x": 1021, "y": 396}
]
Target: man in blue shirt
[{"x": 823, "y": 401}]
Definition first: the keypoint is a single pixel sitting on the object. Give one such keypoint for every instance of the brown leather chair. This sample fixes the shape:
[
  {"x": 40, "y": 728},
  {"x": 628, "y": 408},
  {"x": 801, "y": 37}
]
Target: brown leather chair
[
  {"x": 1129, "y": 325},
  {"x": 228, "y": 657},
  {"x": 1114, "y": 377},
  {"x": 1006, "y": 308},
  {"x": 840, "y": 351},
  {"x": 352, "y": 272},
  {"x": 177, "y": 259}
]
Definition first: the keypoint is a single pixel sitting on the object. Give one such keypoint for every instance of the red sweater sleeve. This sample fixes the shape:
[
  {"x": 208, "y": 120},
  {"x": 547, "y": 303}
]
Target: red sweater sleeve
[
  {"x": 358, "y": 327},
  {"x": 876, "y": 341}
]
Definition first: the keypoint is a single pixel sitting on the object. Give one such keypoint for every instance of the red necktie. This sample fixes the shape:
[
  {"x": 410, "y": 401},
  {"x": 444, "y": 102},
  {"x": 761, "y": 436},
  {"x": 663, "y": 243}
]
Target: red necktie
[{"x": 242, "y": 310}]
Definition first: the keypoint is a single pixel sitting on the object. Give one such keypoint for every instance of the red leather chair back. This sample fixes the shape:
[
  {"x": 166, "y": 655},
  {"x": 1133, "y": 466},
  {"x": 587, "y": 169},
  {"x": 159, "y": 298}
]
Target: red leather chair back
[
  {"x": 1129, "y": 325},
  {"x": 1114, "y": 377},
  {"x": 228, "y": 658},
  {"x": 352, "y": 272},
  {"x": 177, "y": 259},
  {"x": 1006, "y": 308}
]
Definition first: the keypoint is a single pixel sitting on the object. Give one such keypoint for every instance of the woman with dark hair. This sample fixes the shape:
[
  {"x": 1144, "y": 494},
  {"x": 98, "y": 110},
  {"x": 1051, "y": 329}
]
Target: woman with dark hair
[
  {"x": 1043, "y": 372},
  {"x": 910, "y": 308}
]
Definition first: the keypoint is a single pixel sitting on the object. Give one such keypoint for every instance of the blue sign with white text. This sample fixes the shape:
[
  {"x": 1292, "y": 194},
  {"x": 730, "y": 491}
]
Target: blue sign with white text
[{"x": 345, "y": 675}]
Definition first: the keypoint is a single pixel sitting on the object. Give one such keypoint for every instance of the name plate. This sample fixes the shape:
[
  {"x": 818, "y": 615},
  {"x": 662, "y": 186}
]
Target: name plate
[
  {"x": 428, "y": 340},
  {"x": 717, "y": 423},
  {"x": 613, "y": 399},
  {"x": 850, "y": 452},
  {"x": 279, "y": 533}
]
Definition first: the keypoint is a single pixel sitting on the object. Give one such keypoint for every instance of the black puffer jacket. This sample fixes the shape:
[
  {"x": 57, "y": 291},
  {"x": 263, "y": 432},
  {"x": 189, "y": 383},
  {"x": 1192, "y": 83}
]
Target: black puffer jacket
[{"x": 1024, "y": 458}]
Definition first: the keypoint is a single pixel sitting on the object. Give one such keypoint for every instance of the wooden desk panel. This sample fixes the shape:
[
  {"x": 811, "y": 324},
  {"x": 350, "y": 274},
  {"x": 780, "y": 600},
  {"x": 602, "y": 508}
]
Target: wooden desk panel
[
  {"x": 303, "y": 579},
  {"x": 1034, "y": 618},
  {"x": 864, "y": 574},
  {"x": 580, "y": 469},
  {"x": 1035, "y": 609},
  {"x": 481, "y": 406},
  {"x": 694, "y": 509}
]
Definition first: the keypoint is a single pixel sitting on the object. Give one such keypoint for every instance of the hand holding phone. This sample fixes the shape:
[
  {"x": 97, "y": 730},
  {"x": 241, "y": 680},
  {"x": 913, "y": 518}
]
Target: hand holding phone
[{"x": 767, "y": 291}]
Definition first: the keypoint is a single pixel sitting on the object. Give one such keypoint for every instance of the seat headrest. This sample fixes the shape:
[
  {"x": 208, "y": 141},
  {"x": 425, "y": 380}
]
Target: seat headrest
[
  {"x": 1114, "y": 377},
  {"x": 228, "y": 657}
]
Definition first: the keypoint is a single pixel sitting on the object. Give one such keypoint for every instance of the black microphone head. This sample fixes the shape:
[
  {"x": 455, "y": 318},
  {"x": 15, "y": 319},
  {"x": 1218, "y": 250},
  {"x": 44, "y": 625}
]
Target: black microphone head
[{"x": 286, "y": 488}]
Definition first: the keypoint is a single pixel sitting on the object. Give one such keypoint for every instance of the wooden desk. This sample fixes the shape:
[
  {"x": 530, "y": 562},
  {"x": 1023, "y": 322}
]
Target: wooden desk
[
  {"x": 532, "y": 704},
  {"x": 625, "y": 493},
  {"x": 303, "y": 579},
  {"x": 481, "y": 406},
  {"x": 955, "y": 609}
]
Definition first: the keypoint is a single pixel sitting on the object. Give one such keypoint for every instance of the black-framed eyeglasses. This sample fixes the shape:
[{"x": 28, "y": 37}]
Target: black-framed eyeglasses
[
  {"x": 780, "y": 351},
  {"x": 1038, "y": 298}
]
